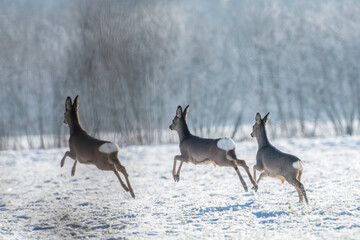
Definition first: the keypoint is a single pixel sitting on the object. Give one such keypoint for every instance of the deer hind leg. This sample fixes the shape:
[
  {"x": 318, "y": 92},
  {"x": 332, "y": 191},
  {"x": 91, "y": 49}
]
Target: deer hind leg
[
  {"x": 118, "y": 167},
  {"x": 243, "y": 164},
  {"x": 176, "y": 174},
  {"x": 299, "y": 188},
  {"x": 121, "y": 181},
  {"x": 299, "y": 176},
  {"x": 241, "y": 178},
  {"x": 123, "y": 171},
  {"x": 300, "y": 195},
  {"x": 232, "y": 163}
]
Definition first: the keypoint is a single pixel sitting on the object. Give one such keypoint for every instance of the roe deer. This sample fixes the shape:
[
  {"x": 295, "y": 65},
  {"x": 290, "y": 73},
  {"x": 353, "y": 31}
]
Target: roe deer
[
  {"x": 89, "y": 150},
  {"x": 198, "y": 150},
  {"x": 274, "y": 163}
]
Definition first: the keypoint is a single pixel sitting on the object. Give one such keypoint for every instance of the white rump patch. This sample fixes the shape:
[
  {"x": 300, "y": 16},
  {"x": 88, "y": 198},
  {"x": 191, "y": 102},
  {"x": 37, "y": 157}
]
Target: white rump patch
[
  {"x": 297, "y": 165},
  {"x": 226, "y": 144},
  {"x": 108, "y": 148}
]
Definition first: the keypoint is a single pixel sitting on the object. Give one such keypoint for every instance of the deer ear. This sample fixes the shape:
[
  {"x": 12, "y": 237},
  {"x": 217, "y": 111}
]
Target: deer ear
[
  {"x": 68, "y": 104},
  {"x": 258, "y": 118},
  {"x": 266, "y": 118},
  {"x": 76, "y": 103},
  {"x": 186, "y": 111},
  {"x": 179, "y": 112}
]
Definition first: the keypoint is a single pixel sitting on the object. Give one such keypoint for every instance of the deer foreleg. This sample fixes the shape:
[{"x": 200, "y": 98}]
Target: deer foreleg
[
  {"x": 254, "y": 169},
  {"x": 67, "y": 154},
  {"x": 174, "y": 167},
  {"x": 260, "y": 168},
  {"x": 262, "y": 175},
  {"x": 176, "y": 175},
  {"x": 73, "y": 168},
  {"x": 178, "y": 171}
]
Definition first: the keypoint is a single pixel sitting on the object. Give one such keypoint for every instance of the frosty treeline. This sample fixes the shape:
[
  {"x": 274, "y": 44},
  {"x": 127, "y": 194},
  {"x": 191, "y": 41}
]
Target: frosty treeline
[{"x": 133, "y": 62}]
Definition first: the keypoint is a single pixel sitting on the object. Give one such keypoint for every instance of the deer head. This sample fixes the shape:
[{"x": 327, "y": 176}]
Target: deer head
[
  {"x": 259, "y": 125},
  {"x": 71, "y": 110},
  {"x": 180, "y": 119}
]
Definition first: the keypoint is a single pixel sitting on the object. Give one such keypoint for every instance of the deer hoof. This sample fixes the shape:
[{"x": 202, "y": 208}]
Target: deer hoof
[
  {"x": 61, "y": 163},
  {"x": 176, "y": 178},
  {"x": 72, "y": 173},
  {"x": 255, "y": 187},
  {"x": 246, "y": 189},
  {"x": 125, "y": 188},
  {"x": 132, "y": 193}
]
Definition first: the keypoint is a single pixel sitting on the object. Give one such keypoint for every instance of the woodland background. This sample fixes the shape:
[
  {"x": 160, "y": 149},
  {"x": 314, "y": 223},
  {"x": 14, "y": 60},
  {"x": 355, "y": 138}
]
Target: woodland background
[{"x": 133, "y": 62}]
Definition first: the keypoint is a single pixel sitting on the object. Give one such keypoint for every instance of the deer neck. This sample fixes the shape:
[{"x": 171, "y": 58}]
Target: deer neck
[
  {"x": 75, "y": 124},
  {"x": 184, "y": 131},
  {"x": 263, "y": 140}
]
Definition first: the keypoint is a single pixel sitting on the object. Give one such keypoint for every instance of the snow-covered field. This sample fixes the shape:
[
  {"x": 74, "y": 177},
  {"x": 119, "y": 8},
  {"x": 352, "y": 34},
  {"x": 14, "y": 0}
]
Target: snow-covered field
[{"x": 40, "y": 200}]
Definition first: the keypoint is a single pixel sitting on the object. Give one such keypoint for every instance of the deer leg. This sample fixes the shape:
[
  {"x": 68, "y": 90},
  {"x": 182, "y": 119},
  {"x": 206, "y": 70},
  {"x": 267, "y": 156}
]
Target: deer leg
[
  {"x": 243, "y": 164},
  {"x": 174, "y": 168},
  {"x": 299, "y": 176},
  {"x": 178, "y": 171},
  {"x": 176, "y": 175},
  {"x": 261, "y": 176},
  {"x": 121, "y": 181},
  {"x": 241, "y": 178},
  {"x": 233, "y": 163},
  {"x": 259, "y": 168},
  {"x": 67, "y": 154},
  {"x": 299, "y": 188},
  {"x": 73, "y": 168},
  {"x": 229, "y": 161},
  {"x": 254, "y": 169},
  {"x": 115, "y": 162},
  {"x": 282, "y": 179},
  {"x": 300, "y": 195},
  {"x": 123, "y": 171}
]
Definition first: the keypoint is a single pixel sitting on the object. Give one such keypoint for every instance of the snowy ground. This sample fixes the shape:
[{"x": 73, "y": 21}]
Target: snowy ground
[{"x": 40, "y": 200}]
